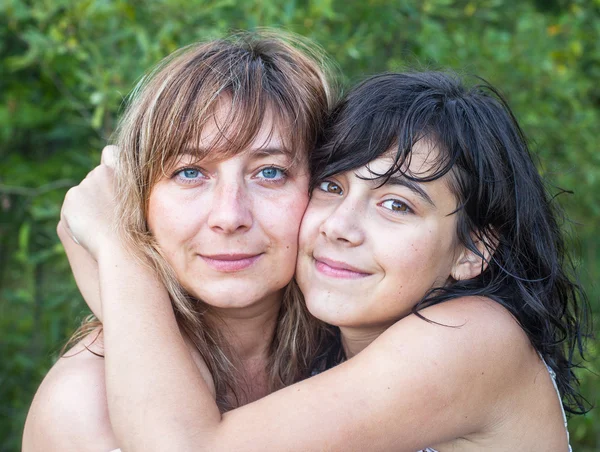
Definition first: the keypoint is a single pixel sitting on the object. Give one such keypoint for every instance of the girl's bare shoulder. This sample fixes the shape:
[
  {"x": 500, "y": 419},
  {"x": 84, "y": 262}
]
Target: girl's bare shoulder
[
  {"x": 469, "y": 345},
  {"x": 465, "y": 319}
]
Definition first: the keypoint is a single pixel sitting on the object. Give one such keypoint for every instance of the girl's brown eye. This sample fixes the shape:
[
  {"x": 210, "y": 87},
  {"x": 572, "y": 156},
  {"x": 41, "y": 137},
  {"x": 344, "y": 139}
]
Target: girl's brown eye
[
  {"x": 331, "y": 187},
  {"x": 396, "y": 205}
]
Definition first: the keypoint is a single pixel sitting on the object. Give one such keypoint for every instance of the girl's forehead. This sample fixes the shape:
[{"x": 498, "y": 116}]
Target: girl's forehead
[
  {"x": 413, "y": 173},
  {"x": 422, "y": 160}
]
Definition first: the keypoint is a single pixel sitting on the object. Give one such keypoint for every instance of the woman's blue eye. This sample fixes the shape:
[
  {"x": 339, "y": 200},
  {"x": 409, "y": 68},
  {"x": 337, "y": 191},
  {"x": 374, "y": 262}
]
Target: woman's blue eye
[
  {"x": 396, "y": 205},
  {"x": 190, "y": 173},
  {"x": 331, "y": 187},
  {"x": 272, "y": 173}
]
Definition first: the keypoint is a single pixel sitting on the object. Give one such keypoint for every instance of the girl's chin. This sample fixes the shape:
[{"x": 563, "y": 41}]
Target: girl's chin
[{"x": 324, "y": 309}]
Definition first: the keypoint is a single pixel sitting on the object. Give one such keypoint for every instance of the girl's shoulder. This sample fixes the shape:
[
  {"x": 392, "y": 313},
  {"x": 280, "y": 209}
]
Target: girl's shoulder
[
  {"x": 477, "y": 357},
  {"x": 69, "y": 411},
  {"x": 473, "y": 339},
  {"x": 474, "y": 322}
]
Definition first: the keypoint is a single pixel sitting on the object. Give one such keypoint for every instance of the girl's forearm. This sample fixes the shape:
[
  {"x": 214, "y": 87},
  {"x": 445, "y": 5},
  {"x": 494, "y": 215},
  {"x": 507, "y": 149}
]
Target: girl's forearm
[
  {"x": 158, "y": 400},
  {"x": 84, "y": 268},
  {"x": 139, "y": 324}
]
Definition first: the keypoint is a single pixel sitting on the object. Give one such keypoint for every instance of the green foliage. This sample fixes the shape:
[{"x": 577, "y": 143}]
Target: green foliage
[{"x": 66, "y": 66}]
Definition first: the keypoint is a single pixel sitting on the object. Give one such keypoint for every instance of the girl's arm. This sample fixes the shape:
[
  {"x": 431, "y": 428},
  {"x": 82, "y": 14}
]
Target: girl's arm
[
  {"x": 83, "y": 265},
  {"x": 84, "y": 268},
  {"x": 418, "y": 384},
  {"x": 136, "y": 383}
]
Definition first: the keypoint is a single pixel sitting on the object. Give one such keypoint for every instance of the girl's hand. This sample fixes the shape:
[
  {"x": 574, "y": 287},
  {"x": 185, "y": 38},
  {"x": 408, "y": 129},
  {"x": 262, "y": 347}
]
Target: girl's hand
[{"x": 88, "y": 211}]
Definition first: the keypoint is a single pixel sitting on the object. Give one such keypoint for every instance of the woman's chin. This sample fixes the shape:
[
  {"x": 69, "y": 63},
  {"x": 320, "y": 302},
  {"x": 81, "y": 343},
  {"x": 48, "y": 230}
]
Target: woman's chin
[{"x": 237, "y": 296}]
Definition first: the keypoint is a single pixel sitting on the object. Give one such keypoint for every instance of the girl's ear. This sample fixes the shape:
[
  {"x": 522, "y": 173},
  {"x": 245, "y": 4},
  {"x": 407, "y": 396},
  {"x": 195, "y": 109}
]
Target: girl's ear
[{"x": 470, "y": 264}]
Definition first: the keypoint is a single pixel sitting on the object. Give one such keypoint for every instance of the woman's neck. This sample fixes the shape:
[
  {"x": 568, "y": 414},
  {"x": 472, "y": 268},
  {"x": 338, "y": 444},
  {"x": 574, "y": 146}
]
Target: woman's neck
[{"x": 249, "y": 331}]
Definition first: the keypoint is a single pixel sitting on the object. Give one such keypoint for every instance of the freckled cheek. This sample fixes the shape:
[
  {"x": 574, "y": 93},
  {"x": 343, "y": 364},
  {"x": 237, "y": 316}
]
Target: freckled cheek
[
  {"x": 280, "y": 218},
  {"x": 309, "y": 229},
  {"x": 170, "y": 222},
  {"x": 409, "y": 252},
  {"x": 404, "y": 261}
]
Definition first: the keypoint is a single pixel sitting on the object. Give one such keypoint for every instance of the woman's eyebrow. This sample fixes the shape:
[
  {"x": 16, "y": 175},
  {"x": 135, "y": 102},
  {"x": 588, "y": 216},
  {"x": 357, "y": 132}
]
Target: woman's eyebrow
[
  {"x": 195, "y": 151},
  {"x": 205, "y": 154},
  {"x": 398, "y": 179},
  {"x": 269, "y": 151}
]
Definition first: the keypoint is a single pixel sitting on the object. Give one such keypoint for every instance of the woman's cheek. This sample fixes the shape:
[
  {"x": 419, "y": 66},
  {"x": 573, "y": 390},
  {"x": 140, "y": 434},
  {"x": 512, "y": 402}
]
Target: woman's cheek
[
  {"x": 309, "y": 239},
  {"x": 169, "y": 218},
  {"x": 290, "y": 214}
]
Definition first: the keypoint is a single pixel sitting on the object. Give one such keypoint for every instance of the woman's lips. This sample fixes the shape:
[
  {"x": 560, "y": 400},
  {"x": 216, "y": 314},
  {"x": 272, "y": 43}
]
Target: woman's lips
[
  {"x": 338, "y": 269},
  {"x": 230, "y": 262}
]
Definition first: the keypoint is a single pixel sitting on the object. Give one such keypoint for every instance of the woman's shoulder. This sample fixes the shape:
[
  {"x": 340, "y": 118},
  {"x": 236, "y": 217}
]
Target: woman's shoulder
[{"x": 69, "y": 411}]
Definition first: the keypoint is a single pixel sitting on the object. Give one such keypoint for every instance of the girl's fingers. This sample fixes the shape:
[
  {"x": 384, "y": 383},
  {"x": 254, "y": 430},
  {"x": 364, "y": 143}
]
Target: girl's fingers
[{"x": 109, "y": 156}]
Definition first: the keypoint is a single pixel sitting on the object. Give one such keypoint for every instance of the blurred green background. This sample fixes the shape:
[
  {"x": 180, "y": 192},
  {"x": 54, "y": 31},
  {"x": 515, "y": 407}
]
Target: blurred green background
[{"x": 66, "y": 66}]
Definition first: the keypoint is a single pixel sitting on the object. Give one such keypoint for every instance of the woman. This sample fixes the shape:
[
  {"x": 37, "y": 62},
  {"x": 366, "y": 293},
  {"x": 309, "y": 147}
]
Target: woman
[
  {"x": 251, "y": 107},
  {"x": 431, "y": 243}
]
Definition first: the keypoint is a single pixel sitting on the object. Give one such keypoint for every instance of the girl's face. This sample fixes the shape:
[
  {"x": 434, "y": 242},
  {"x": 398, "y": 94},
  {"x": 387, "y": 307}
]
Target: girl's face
[
  {"x": 368, "y": 254},
  {"x": 229, "y": 228}
]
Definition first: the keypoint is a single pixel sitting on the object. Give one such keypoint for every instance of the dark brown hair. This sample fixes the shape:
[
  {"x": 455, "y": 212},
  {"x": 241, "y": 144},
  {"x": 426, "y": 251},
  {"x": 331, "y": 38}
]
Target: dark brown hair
[{"x": 503, "y": 200}]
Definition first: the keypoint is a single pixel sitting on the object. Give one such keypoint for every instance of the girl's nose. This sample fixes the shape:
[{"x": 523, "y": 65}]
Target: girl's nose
[{"x": 343, "y": 224}]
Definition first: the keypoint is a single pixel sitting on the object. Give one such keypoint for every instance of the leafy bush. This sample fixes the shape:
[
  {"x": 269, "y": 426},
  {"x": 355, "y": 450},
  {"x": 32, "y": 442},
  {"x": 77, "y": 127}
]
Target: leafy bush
[{"x": 66, "y": 67}]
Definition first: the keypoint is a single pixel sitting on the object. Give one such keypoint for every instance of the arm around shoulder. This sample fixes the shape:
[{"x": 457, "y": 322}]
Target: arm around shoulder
[
  {"x": 84, "y": 268},
  {"x": 419, "y": 384}
]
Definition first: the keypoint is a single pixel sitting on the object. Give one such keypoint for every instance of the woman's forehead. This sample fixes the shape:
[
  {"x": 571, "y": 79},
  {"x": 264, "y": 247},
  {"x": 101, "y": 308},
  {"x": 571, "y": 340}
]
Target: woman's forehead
[
  {"x": 228, "y": 131},
  {"x": 224, "y": 125}
]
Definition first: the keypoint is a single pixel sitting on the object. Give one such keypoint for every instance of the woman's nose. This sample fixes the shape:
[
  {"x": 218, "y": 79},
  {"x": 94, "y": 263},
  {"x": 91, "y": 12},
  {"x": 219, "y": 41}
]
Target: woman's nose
[{"x": 231, "y": 209}]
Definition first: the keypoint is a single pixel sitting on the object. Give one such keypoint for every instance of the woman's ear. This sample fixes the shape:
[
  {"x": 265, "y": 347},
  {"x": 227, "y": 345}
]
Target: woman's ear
[{"x": 470, "y": 264}]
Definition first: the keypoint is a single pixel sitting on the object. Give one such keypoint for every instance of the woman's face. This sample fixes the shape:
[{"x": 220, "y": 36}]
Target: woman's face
[
  {"x": 368, "y": 254},
  {"x": 229, "y": 228}
]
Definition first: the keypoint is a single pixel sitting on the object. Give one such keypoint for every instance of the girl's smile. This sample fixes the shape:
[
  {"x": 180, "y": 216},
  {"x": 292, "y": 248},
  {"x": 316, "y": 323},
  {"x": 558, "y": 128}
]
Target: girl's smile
[{"x": 361, "y": 240}]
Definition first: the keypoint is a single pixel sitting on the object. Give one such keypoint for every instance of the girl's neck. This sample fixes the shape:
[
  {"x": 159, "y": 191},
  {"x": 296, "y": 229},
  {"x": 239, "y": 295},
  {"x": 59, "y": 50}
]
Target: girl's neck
[{"x": 355, "y": 340}]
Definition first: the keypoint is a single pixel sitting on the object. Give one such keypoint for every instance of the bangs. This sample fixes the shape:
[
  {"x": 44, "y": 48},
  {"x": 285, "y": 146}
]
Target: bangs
[
  {"x": 219, "y": 122},
  {"x": 226, "y": 128},
  {"x": 376, "y": 120},
  {"x": 213, "y": 100}
]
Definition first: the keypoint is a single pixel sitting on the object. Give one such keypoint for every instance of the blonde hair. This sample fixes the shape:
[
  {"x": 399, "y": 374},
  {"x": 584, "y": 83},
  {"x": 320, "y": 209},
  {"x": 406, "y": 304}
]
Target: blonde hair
[{"x": 257, "y": 74}]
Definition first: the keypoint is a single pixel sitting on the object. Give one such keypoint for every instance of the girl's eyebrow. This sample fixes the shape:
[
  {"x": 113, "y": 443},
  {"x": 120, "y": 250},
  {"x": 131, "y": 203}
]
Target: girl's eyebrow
[{"x": 398, "y": 179}]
